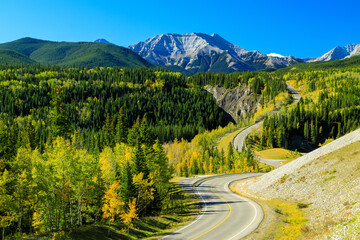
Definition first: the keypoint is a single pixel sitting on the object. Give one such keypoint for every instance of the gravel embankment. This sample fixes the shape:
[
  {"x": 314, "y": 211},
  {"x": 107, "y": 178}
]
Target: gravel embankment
[{"x": 270, "y": 178}]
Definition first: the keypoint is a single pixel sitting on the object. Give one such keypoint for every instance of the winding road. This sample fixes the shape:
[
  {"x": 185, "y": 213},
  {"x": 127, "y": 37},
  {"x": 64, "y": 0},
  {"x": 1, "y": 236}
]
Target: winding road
[
  {"x": 239, "y": 140},
  {"x": 224, "y": 214}
]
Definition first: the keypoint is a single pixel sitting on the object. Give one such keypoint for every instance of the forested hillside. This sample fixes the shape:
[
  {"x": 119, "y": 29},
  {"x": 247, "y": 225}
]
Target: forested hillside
[
  {"x": 76, "y": 53},
  {"x": 11, "y": 57},
  {"x": 329, "y": 109},
  {"x": 81, "y": 146}
]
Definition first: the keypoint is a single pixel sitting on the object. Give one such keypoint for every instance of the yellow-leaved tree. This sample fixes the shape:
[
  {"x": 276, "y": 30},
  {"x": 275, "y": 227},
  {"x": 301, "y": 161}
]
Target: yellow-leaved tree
[
  {"x": 145, "y": 190},
  {"x": 130, "y": 215},
  {"x": 113, "y": 204}
]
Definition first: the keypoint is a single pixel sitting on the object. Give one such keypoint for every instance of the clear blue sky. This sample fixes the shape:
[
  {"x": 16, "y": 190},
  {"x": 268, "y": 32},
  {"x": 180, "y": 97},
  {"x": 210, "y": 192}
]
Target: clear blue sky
[{"x": 299, "y": 28}]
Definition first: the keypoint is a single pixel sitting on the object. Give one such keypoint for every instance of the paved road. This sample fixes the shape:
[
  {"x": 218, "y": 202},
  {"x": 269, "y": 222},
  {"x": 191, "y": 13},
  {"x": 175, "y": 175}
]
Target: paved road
[
  {"x": 224, "y": 215},
  {"x": 239, "y": 140}
]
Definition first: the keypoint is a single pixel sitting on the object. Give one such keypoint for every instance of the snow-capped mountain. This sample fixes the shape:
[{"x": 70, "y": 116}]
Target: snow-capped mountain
[
  {"x": 102, "y": 40},
  {"x": 339, "y": 53},
  {"x": 275, "y": 55},
  {"x": 199, "y": 52}
]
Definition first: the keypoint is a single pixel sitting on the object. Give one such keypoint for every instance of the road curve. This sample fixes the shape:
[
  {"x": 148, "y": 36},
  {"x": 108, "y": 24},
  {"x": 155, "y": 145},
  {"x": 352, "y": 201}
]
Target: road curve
[
  {"x": 224, "y": 214},
  {"x": 239, "y": 139}
]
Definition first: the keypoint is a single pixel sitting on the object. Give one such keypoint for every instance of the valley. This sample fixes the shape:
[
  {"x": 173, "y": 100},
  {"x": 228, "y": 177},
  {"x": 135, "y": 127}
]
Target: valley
[{"x": 96, "y": 139}]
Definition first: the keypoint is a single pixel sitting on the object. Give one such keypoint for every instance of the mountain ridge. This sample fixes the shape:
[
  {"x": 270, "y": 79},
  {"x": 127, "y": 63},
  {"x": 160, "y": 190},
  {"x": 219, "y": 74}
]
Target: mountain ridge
[
  {"x": 195, "y": 52},
  {"x": 339, "y": 53},
  {"x": 76, "y": 53}
]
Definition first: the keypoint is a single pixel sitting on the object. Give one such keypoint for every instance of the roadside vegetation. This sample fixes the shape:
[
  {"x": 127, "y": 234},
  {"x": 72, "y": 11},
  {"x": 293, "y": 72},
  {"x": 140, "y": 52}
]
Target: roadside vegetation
[{"x": 82, "y": 150}]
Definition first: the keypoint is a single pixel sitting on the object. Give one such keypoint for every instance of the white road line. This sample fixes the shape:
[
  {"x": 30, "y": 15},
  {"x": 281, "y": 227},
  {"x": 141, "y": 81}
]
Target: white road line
[
  {"x": 197, "y": 219},
  {"x": 252, "y": 204}
]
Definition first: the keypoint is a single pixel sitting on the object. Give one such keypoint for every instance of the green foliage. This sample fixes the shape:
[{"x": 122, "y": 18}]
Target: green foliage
[
  {"x": 302, "y": 205},
  {"x": 11, "y": 57},
  {"x": 79, "y": 54},
  {"x": 59, "y": 101},
  {"x": 331, "y": 110}
]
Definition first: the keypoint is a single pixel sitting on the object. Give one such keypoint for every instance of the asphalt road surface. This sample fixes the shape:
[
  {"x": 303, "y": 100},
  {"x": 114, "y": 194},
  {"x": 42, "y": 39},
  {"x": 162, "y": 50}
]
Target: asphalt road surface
[
  {"x": 224, "y": 214},
  {"x": 239, "y": 140}
]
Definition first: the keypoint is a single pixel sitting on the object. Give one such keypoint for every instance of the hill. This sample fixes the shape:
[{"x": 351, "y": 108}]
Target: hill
[
  {"x": 11, "y": 57},
  {"x": 80, "y": 54}
]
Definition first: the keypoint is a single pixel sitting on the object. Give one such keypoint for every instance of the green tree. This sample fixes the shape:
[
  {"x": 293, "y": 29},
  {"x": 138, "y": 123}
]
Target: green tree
[
  {"x": 60, "y": 125},
  {"x": 121, "y": 130}
]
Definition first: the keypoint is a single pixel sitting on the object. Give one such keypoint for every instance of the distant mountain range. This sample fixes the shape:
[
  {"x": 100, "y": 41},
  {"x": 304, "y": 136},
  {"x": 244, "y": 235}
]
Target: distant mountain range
[
  {"x": 102, "y": 40},
  {"x": 74, "y": 53},
  {"x": 187, "y": 53},
  {"x": 198, "y": 52},
  {"x": 338, "y": 53}
]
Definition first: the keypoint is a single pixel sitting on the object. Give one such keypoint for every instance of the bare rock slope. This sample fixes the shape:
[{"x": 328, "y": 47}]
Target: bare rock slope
[
  {"x": 237, "y": 102},
  {"x": 199, "y": 52}
]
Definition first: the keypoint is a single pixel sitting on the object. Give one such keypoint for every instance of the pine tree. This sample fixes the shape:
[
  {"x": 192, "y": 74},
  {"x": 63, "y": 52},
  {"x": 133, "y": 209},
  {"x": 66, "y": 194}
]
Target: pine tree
[
  {"x": 109, "y": 132},
  {"x": 134, "y": 133},
  {"x": 60, "y": 125},
  {"x": 230, "y": 157},
  {"x": 29, "y": 136},
  {"x": 140, "y": 161},
  {"x": 145, "y": 133},
  {"x": 121, "y": 130}
]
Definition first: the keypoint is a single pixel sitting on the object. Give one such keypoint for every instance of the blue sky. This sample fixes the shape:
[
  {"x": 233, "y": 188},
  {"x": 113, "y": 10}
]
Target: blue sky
[{"x": 299, "y": 28}]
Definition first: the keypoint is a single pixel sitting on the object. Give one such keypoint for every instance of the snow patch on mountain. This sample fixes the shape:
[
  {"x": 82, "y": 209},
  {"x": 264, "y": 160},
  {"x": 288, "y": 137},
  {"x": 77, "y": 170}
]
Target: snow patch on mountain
[
  {"x": 201, "y": 52},
  {"x": 275, "y": 55}
]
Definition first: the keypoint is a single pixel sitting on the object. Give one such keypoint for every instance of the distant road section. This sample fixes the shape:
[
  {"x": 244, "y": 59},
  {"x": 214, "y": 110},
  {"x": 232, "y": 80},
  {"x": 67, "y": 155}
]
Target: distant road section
[
  {"x": 239, "y": 140},
  {"x": 224, "y": 215},
  {"x": 294, "y": 92}
]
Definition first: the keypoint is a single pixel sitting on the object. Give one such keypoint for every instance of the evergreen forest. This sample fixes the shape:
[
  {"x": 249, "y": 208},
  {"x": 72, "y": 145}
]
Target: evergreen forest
[{"x": 80, "y": 146}]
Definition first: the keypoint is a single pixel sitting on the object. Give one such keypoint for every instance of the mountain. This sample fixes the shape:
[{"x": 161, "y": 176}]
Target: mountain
[
  {"x": 199, "y": 52},
  {"x": 102, "y": 40},
  {"x": 339, "y": 53},
  {"x": 347, "y": 62},
  {"x": 80, "y": 54},
  {"x": 11, "y": 57}
]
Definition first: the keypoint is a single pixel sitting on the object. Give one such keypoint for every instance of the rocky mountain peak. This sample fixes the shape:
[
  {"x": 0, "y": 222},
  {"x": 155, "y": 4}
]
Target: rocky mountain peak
[
  {"x": 200, "y": 52},
  {"x": 339, "y": 53}
]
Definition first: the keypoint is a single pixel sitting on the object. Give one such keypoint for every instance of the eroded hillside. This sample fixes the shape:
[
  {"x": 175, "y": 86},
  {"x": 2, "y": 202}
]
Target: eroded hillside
[{"x": 237, "y": 102}]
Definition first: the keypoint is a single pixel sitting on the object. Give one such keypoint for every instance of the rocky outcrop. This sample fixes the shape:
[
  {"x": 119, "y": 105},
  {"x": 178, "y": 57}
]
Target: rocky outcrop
[{"x": 237, "y": 102}]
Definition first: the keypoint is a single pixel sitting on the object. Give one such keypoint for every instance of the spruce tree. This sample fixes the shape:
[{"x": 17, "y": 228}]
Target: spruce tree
[{"x": 121, "y": 130}]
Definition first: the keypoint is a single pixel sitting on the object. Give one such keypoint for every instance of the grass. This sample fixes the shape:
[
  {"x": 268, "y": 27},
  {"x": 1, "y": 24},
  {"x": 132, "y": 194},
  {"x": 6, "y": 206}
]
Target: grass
[
  {"x": 278, "y": 153},
  {"x": 223, "y": 143},
  {"x": 176, "y": 216},
  {"x": 288, "y": 219}
]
